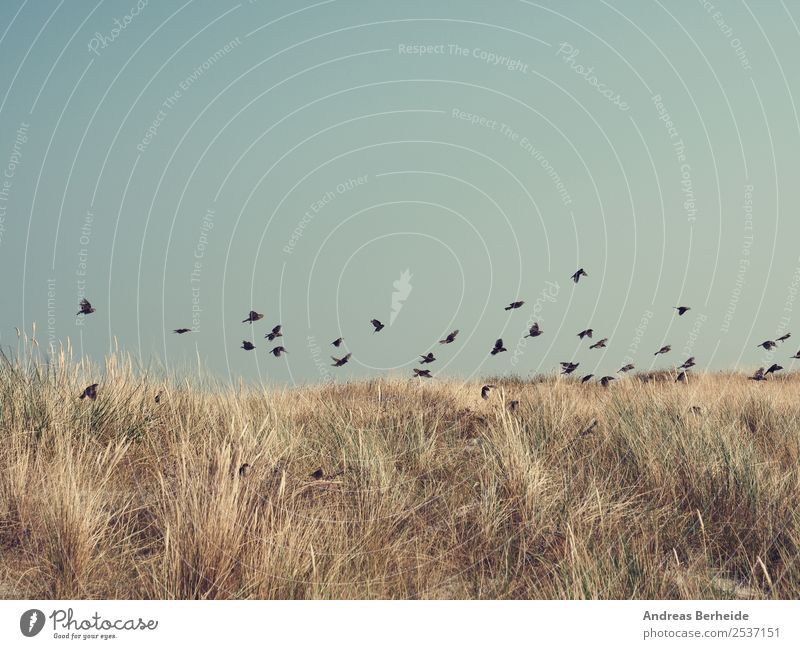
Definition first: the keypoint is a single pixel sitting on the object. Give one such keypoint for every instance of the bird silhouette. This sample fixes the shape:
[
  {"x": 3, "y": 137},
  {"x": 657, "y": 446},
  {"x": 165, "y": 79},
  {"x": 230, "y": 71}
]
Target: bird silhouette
[
  {"x": 689, "y": 362},
  {"x": 449, "y": 337},
  {"x": 606, "y": 380},
  {"x": 377, "y": 324},
  {"x": 275, "y": 333},
  {"x": 768, "y": 345},
  {"x": 277, "y": 351},
  {"x": 797, "y": 355},
  {"x": 681, "y": 378},
  {"x": 665, "y": 349},
  {"x": 338, "y": 362},
  {"x": 599, "y": 344},
  {"x": 773, "y": 368},
  {"x": 337, "y": 342},
  {"x": 568, "y": 368},
  {"x": 515, "y": 305},
  {"x": 253, "y": 316},
  {"x": 244, "y": 470},
  {"x": 418, "y": 373},
  {"x": 89, "y": 391},
  {"x": 427, "y": 358},
  {"x": 157, "y": 398},
  {"x": 485, "y": 391},
  {"x": 85, "y": 307},
  {"x": 625, "y": 368},
  {"x": 784, "y": 337},
  {"x": 682, "y": 309},
  {"x": 318, "y": 474},
  {"x": 758, "y": 375},
  {"x": 182, "y": 330},
  {"x": 534, "y": 331},
  {"x": 247, "y": 345},
  {"x": 587, "y": 378},
  {"x": 586, "y": 333},
  {"x": 578, "y": 273},
  {"x": 498, "y": 347}
]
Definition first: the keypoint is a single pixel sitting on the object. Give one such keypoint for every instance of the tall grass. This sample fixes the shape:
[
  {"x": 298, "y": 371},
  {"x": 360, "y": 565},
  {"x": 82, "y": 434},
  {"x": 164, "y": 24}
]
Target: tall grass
[{"x": 428, "y": 490}]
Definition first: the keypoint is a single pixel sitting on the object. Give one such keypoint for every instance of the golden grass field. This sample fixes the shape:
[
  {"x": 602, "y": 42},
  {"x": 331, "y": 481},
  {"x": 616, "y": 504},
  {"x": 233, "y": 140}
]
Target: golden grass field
[{"x": 441, "y": 494}]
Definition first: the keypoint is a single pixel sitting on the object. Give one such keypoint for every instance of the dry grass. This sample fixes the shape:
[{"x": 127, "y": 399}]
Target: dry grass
[{"x": 441, "y": 495}]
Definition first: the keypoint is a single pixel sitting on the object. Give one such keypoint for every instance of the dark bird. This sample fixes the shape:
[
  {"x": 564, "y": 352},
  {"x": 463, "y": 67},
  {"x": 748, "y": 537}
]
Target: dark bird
[
  {"x": 606, "y": 380},
  {"x": 275, "y": 333},
  {"x": 418, "y": 373},
  {"x": 580, "y": 272},
  {"x": 534, "y": 331},
  {"x": 586, "y": 333},
  {"x": 599, "y": 344},
  {"x": 625, "y": 368},
  {"x": 90, "y": 391},
  {"x": 498, "y": 347},
  {"x": 338, "y": 362},
  {"x": 689, "y": 362},
  {"x": 277, "y": 351},
  {"x": 337, "y": 342},
  {"x": 318, "y": 474},
  {"x": 784, "y": 337},
  {"x": 449, "y": 337},
  {"x": 86, "y": 307},
  {"x": 158, "y": 398},
  {"x": 682, "y": 309},
  {"x": 569, "y": 368},
  {"x": 182, "y": 330},
  {"x": 759, "y": 375},
  {"x": 513, "y": 405},
  {"x": 773, "y": 368},
  {"x": 246, "y": 344},
  {"x": 663, "y": 350},
  {"x": 797, "y": 355},
  {"x": 377, "y": 324},
  {"x": 586, "y": 378},
  {"x": 514, "y": 305},
  {"x": 253, "y": 316},
  {"x": 768, "y": 345},
  {"x": 244, "y": 470},
  {"x": 427, "y": 358},
  {"x": 485, "y": 391},
  {"x": 681, "y": 377}
]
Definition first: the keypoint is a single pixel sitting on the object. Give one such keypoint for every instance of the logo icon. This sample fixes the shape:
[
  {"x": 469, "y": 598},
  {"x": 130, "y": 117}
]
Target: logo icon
[
  {"x": 31, "y": 622},
  {"x": 402, "y": 289}
]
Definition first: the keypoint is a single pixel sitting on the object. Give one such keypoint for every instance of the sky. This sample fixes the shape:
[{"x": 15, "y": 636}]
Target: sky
[{"x": 424, "y": 163}]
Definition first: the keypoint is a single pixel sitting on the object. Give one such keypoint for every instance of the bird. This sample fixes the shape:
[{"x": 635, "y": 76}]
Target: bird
[
  {"x": 682, "y": 309},
  {"x": 586, "y": 333},
  {"x": 689, "y": 362},
  {"x": 89, "y": 391},
  {"x": 337, "y": 342},
  {"x": 318, "y": 474},
  {"x": 599, "y": 344},
  {"x": 86, "y": 307},
  {"x": 784, "y": 337},
  {"x": 275, "y": 333},
  {"x": 449, "y": 338},
  {"x": 514, "y": 305},
  {"x": 568, "y": 368},
  {"x": 513, "y": 405},
  {"x": 681, "y": 378},
  {"x": 773, "y": 368},
  {"x": 277, "y": 351},
  {"x": 252, "y": 317},
  {"x": 498, "y": 347},
  {"x": 338, "y": 362},
  {"x": 158, "y": 398},
  {"x": 797, "y": 355},
  {"x": 427, "y": 358},
  {"x": 485, "y": 391},
  {"x": 418, "y": 373},
  {"x": 625, "y": 368},
  {"x": 758, "y": 375},
  {"x": 578, "y": 273},
  {"x": 182, "y": 330},
  {"x": 606, "y": 380},
  {"x": 534, "y": 331},
  {"x": 247, "y": 345},
  {"x": 768, "y": 345},
  {"x": 587, "y": 378},
  {"x": 377, "y": 324},
  {"x": 663, "y": 350},
  {"x": 244, "y": 470}
]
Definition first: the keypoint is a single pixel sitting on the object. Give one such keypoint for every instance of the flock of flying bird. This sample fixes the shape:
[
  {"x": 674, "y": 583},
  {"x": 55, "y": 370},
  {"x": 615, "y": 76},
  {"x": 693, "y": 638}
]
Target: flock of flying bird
[{"x": 534, "y": 331}]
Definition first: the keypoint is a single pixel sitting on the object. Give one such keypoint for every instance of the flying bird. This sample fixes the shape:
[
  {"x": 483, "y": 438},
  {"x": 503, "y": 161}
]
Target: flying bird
[
  {"x": 338, "y": 362},
  {"x": 86, "y": 307},
  {"x": 606, "y": 380},
  {"x": 337, "y": 342},
  {"x": 277, "y": 351},
  {"x": 759, "y": 375},
  {"x": 514, "y": 305},
  {"x": 377, "y": 324},
  {"x": 625, "y": 368},
  {"x": 246, "y": 344},
  {"x": 253, "y": 316},
  {"x": 689, "y": 362},
  {"x": 773, "y": 368},
  {"x": 580, "y": 272},
  {"x": 182, "y": 330},
  {"x": 682, "y": 309},
  {"x": 449, "y": 337},
  {"x": 797, "y": 355},
  {"x": 275, "y": 333},
  {"x": 498, "y": 347},
  {"x": 568, "y": 368},
  {"x": 665, "y": 349},
  {"x": 485, "y": 391},
  {"x": 586, "y": 333},
  {"x": 89, "y": 391},
  {"x": 418, "y": 373},
  {"x": 784, "y": 337},
  {"x": 768, "y": 345},
  {"x": 534, "y": 331},
  {"x": 427, "y": 358},
  {"x": 599, "y": 344},
  {"x": 587, "y": 378}
]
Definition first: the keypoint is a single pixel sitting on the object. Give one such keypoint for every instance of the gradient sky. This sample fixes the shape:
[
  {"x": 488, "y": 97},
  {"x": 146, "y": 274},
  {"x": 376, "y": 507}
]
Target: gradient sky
[{"x": 298, "y": 158}]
